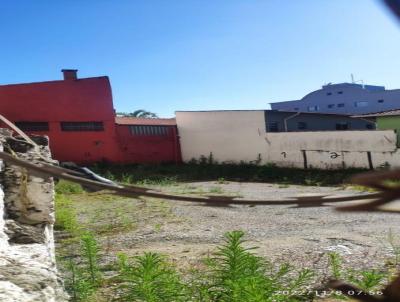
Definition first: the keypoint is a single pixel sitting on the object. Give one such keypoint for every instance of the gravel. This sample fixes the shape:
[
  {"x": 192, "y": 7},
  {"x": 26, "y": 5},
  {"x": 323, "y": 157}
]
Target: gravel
[{"x": 300, "y": 236}]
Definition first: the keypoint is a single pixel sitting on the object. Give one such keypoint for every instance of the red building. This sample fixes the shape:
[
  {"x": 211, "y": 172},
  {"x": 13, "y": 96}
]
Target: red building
[
  {"x": 145, "y": 140},
  {"x": 79, "y": 118}
]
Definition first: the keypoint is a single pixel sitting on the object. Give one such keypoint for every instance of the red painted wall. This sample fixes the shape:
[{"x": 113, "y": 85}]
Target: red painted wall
[
  {"x": 78, "y": 100},
  {"x": 148, "y": 148},
  {"x": 84, "y": 100}
]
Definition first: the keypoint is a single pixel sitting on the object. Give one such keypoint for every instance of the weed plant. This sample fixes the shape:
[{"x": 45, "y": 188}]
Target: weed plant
[
  {"x": 150, "y": 278},
  {"x": 239, "y": 275},
  {"x": 233, "y": 274},
  {"x": 83, "y": 273},
  {"x": 170, "y": 174},
  {"x": 369, "y": 281},
  {"x": 90, "y": 252}
]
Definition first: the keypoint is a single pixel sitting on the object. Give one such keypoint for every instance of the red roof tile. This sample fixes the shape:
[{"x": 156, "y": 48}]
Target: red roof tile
[{"x": 126, "y": 120}]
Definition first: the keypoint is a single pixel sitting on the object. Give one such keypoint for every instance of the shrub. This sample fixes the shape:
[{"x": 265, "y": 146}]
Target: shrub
[
  {"x": 79, "y": 287},
  {"x": 83, "y": 277},
  {"x": 368, "y": 280},
  {"x": 150, "y": 278},
  {"x": 90, "y": 250},
  {"x": 239, "y": 275}
]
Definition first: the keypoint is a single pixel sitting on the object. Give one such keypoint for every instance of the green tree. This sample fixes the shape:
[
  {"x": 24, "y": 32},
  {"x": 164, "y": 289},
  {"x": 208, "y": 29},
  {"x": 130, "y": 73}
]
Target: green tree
[{"x": 140, "y": 113}]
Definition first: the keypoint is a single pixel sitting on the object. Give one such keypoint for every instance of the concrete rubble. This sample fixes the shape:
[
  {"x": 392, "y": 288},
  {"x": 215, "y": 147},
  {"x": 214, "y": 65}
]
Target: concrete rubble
[{"x": 27, "y": 258}]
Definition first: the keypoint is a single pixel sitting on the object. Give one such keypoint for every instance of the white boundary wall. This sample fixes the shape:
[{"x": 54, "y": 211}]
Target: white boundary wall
[
  {"x": 234, "y": 136},
  {"x": 229, "y": 135}
]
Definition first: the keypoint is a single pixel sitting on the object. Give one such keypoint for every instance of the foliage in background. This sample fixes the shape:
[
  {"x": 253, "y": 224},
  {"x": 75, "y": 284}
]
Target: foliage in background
[
  {"x": 141, "y": 113},
  {"x": 167, "y": 174}
]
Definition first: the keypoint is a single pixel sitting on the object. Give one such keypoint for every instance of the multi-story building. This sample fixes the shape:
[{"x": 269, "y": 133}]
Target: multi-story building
[
  {"x": 285, "y": 121},
  {"x": 345, "y": 98}
]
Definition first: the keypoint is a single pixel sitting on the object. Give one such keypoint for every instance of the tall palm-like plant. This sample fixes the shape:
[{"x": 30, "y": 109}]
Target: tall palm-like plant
[{"x": 139, "y": 113}]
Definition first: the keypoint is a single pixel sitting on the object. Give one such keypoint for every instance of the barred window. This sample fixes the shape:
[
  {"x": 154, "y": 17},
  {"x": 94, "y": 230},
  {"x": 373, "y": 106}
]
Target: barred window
[
  {"x": 273, "y": 127},
  {"x": 82, "y": 126},
  {"x": 342, "y": 126},
  {"x": 33, "y": 126},
  {"x": 302, "y": 125},
  {"x": 149, "y": 130}
]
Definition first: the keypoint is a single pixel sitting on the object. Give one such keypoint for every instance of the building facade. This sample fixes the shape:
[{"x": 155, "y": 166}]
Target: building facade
[
  {"x": 386, "y": 120},
  {"x": 78, "y": 116},
  {"x": 148, "y": 140},
  {"x": 235, "y": 136},
  {"x": 344, "y": 98},
  {"x": 283, "y": 121},
  {"x": 230, "y": 135}
]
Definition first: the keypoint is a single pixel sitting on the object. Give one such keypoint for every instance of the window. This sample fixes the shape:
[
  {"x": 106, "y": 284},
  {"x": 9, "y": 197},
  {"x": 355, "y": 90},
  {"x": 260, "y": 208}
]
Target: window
[
  {"x": 369, "y": 126},
  {"x": 340, "y": 105},
  {"x": 149, "y": 130},
  {"x": 340, "y": 92},
  {"x": 296, "y": 109},
  {"x": 329, "y": 93},
  {"x": 82, "y": 126},
  {"x": 33, "y": 126},
  {"x": 381, "y": 101},
  {"x": 342, "y": 126},
  {"x": 313, "y": 108},
  {"x": 302, "y": 125},
  {"x": 361, "y": 104},
  {"x": 331, "y": 105},
  {"x": 273, "y": 127}
]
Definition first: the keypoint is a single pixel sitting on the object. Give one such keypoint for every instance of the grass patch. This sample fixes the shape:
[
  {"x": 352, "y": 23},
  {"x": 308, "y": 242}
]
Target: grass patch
[
  {"x": 66, "y": 218},
  {"x": 170, "y": 174},
  {"x": 67, "y": 187},
  {"x": 216, "y": 190},
  {"x": 110, "y": 215},
  {"x": 360, "y": 188}
]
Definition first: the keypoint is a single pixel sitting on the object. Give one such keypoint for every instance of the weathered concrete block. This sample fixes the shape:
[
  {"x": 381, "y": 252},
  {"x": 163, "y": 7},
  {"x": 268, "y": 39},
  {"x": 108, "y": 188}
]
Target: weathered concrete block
[{"x": 27, "y": 260}]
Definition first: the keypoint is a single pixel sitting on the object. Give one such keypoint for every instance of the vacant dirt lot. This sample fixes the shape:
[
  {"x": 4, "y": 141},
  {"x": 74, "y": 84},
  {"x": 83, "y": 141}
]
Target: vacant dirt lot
[{"x": 188, "y": 232}]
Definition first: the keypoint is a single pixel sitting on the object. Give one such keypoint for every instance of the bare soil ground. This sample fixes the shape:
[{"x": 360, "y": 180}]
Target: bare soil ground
[{"x": 188, "y": 232}]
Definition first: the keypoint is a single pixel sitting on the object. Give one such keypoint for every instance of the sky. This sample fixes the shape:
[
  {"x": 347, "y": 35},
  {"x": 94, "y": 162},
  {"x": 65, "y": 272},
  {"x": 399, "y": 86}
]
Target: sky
[{"x": 169, "y": 55}]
